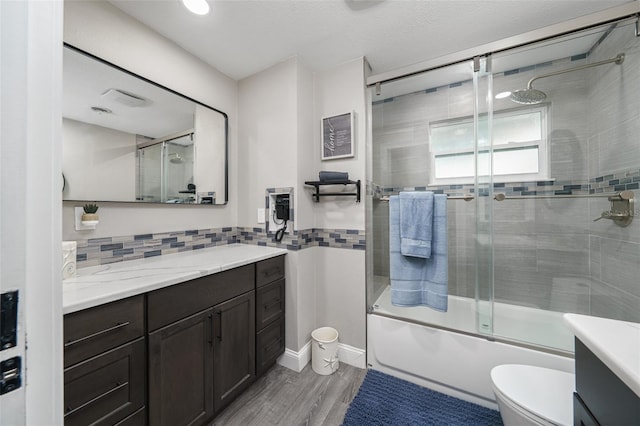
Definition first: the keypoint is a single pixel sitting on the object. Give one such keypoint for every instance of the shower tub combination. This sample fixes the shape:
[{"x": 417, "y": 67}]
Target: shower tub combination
[
  {"x": 553, "y": 154},
  {"x": 443, "y": 350}
]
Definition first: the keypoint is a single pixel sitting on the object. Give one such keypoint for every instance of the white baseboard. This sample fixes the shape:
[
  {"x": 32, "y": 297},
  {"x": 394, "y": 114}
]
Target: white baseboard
[
  {"x": 352, "y": 356},
  {"x": 296, "y": 361}
]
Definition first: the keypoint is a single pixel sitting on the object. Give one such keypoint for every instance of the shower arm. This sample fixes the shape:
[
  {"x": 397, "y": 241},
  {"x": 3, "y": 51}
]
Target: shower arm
[{"x": 618, "y": 60}]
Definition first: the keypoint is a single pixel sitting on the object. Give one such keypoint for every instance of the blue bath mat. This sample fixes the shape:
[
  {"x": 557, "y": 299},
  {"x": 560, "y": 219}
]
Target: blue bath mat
[{"x": 387, "y": 400}]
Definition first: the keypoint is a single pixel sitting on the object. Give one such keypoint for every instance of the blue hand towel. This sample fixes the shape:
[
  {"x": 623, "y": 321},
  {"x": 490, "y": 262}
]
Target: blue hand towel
[
  {"x": 416, "y": 223},
  {"x": 416, "y": 281},
  {"x": 326, "y": 176}
]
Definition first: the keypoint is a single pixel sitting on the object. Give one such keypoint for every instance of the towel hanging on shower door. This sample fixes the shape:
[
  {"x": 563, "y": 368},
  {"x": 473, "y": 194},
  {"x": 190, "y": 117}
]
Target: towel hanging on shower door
[{"x": 418, "y": 281}]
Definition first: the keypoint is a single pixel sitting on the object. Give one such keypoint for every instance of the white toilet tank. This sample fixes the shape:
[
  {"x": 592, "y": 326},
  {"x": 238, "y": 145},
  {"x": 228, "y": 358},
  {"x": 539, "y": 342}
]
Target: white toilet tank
[{"x": 529, "y": 395}]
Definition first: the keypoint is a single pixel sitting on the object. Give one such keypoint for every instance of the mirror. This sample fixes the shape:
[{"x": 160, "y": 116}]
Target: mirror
[{"x": 127, "y": 139}]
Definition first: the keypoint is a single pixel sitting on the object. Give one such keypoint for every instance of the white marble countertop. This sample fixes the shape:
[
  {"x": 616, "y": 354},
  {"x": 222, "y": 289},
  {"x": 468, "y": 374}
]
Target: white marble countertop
[
  {"x": 616, "y": 343},
  {"x": 97, "y": 285}
]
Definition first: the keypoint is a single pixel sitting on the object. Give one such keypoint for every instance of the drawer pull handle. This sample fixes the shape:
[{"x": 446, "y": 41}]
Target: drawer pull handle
[
  {"x": 210, "y": 331},
  {"x": 219, "y": 326},
  {"x": 96, "y": 334},
  {"x": 272, "y": 304},
  {"x": 93, "y": 401},
  {"x": 275, "y": 270}
]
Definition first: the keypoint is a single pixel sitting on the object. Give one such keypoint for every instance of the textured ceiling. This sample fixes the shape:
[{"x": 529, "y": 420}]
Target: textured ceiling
[{"x": 240, "y": 38}]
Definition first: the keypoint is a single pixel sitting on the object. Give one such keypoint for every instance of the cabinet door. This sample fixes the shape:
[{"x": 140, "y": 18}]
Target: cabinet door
[
  {"x": 180, "y": 372},
  {"x": 234, "y": 348}
]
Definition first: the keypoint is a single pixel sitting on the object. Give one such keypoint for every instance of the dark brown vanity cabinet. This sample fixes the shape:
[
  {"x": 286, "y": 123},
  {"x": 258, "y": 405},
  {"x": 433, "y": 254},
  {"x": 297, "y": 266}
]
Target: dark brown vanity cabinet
[
  {"x": 177, "y": 355},
  {"x": 270, "y": 299},
  {"x": 601, "y": 398},
  {"x": 201, "y": 346},
  {"x": 105, "y": 364}
]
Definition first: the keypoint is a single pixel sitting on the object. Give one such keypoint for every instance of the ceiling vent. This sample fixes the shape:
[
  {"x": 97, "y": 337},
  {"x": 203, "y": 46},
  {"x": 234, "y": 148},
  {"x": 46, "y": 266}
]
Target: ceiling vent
[{"x": 124, "y": 98}]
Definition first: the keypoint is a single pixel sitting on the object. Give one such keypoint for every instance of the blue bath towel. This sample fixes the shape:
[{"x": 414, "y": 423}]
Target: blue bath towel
[
  {"x": 416, "y": 281},
  {"x": 416, "y": 223}
]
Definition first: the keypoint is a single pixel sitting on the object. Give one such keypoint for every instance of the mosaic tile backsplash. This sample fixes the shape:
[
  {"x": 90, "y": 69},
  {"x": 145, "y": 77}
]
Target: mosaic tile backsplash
[{"x": 100, "y": 251}]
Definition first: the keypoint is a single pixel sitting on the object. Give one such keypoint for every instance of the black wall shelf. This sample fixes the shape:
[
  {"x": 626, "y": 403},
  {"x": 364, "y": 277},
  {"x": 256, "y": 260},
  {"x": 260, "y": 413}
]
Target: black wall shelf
[{"x": 317, "y": 184}]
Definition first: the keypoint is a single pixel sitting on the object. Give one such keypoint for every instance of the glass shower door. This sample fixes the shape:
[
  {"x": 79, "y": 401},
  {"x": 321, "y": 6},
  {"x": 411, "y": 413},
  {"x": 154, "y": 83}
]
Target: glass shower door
[
  {"x": 556, "y": 160},
  {"x": 149, "y": 185},
  {"x": 424, "y": 137}
]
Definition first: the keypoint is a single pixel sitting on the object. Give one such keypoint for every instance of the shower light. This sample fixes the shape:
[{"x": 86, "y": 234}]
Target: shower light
[
  {"x": 199, "y": 7},
  {"x": 503, "y": 95}
]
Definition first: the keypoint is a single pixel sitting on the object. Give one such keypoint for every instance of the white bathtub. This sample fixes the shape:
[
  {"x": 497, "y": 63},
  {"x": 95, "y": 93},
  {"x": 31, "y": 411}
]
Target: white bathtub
[{"x": 456, "y": 363}]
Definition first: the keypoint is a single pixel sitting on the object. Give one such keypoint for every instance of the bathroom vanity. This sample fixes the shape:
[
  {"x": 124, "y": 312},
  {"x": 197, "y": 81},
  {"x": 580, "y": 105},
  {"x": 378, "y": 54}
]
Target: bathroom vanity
[
  {"x": 607, "y": 356},
  {"x": 172, "y": 339}
]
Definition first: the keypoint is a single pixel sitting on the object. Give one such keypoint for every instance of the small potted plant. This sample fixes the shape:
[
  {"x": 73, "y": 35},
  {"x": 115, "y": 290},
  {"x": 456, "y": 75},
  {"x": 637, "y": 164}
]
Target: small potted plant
[{"x": 90, "y": 217}]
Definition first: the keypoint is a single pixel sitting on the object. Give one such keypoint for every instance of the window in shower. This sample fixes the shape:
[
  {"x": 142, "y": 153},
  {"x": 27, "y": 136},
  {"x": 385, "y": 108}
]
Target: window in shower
[{"x": 519, "y": 147}]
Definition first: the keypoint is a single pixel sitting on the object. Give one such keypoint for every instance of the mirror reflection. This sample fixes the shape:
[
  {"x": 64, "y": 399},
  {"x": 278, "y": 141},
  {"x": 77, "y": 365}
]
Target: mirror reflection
[{"x": 127, "y": 139}]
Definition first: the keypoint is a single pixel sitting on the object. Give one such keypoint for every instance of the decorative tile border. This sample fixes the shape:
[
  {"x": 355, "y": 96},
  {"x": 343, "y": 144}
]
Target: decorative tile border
[
  {"x": 101, "y": 251},
  {"x": 621, "y": 181},
  {"x": 627, "y": 180},
  {"x": 337, "y": 238}
]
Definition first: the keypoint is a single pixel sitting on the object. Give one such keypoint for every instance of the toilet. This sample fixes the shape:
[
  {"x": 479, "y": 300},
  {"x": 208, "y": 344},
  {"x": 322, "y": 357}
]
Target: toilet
[{"x": 529, "y": 395}]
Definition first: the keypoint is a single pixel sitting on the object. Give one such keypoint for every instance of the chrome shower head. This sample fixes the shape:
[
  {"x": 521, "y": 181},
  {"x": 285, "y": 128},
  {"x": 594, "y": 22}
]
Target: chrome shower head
[
  {"x": 175, "y": 158},
  {"x": 529, "y": 96}
]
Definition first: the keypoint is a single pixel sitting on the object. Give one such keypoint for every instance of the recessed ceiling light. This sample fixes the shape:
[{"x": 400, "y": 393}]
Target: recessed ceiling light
[
  {"x": 199, "y": 7},
  {"x": 503, "y": 95}
]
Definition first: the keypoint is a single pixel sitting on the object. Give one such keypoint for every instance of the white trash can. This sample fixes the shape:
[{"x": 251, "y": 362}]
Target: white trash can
[{"x": 324, "y": 350}]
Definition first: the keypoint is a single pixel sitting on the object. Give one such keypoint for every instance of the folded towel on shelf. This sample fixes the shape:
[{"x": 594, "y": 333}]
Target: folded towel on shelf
[
  {"x": 417, "y": 281},
  {"x": 416, "y": 223},
  {"x": 326, "y": 176}
]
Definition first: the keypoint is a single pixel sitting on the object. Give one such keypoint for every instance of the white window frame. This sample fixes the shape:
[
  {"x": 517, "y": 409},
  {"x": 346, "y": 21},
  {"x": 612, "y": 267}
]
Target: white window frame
[{"x": 542, "y": 145}]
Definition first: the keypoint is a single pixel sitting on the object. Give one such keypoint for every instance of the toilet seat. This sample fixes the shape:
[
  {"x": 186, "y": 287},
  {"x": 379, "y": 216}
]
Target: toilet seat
[{"x": 541, "y": 394}]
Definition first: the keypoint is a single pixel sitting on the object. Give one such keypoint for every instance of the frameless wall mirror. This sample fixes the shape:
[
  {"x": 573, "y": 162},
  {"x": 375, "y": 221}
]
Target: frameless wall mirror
[{"x": 128, "y": 139}]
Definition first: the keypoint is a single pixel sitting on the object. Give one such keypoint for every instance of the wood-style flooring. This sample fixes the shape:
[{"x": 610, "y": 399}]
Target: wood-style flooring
[{"x": 284, "y": 397}]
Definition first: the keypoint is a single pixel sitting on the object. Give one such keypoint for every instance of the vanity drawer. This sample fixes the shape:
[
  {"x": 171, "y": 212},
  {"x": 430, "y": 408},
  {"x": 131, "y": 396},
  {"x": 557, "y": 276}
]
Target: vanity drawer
[
  {"x": 107, "y": 388},
  {"x": 269, "y": 270},
  {"x": 170, "y": 304},
  {"x": 269, "y": 346},
  {"x": 92, "y": 331},
  {"x": 269, "y": 303}
]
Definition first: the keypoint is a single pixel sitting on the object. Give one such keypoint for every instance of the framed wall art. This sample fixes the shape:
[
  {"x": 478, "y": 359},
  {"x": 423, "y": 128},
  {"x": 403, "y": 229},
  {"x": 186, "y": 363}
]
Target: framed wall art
[{"x": 337, "y": 136}]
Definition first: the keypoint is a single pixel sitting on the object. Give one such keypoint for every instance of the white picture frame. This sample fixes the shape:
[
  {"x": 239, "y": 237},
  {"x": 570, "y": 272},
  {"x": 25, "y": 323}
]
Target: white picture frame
[{"x": 337, "y": 136}]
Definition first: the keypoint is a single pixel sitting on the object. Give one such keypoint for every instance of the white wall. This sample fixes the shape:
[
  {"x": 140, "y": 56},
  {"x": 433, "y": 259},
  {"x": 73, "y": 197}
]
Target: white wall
[
  {"x": 110, "y": 173},
  {"x": 103, "y": 30},
  {"x": 340, "y": 273},
  {"x": 267, "y": 136},
  {"x": 279, "y": 146},
  {"x": 337, "y": 91},
  {"x": 30, "y": 206},
  {"x": 275, "y": 108}
]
